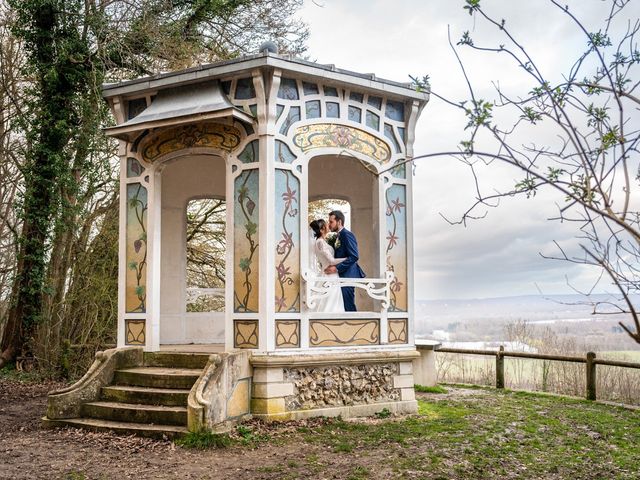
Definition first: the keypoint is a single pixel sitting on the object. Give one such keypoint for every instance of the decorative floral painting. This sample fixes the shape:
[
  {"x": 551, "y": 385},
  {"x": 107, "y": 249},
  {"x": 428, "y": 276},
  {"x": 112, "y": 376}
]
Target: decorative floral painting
[
  {"x": 320, "y": 135},
  {"x": 396, "y": 251},
  {"x": 136, "y": 278},
  {"x": 245, "y": 228},
  {"x": 287, "y": 225}
]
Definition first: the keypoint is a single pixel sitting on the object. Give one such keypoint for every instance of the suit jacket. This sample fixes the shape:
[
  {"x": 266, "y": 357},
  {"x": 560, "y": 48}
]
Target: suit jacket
[{"x": 348, "y": 248}]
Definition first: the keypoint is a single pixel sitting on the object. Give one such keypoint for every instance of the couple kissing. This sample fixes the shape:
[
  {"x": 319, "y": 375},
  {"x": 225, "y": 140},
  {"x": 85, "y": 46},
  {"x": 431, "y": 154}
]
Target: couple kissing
[{"x": 336, "y": 259}]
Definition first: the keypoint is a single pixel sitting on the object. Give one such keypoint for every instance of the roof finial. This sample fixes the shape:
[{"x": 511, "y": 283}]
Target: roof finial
[{"x": 268, "y": 46}]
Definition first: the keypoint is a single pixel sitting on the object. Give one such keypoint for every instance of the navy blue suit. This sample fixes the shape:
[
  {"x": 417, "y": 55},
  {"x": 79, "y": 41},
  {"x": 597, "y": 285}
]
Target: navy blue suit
[{"x": 349, "y": 268}]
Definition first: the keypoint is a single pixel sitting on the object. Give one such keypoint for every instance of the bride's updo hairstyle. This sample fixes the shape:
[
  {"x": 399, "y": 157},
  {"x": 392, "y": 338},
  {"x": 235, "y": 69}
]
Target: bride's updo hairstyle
[{"x": 317, "y": 226}]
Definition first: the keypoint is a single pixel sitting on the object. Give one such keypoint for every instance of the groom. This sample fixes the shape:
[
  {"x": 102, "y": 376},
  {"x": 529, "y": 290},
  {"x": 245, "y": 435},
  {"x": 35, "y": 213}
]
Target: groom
[{"x": 346, "y": 247}]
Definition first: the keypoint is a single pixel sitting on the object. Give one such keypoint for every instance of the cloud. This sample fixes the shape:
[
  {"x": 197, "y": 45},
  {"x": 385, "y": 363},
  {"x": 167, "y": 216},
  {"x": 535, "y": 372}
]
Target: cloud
[{"x": 499, "y": 255}]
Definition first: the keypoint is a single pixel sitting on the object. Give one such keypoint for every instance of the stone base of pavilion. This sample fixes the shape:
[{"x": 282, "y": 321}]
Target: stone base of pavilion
[{"x": 347, "y": 384}]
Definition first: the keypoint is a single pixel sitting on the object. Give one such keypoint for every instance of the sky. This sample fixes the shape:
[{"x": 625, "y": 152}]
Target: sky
[{"x": 499, "y": 255}]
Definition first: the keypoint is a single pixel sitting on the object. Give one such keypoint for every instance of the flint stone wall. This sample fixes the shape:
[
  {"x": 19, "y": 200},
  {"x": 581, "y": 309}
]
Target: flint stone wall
[{"x": 335, "y": 385}]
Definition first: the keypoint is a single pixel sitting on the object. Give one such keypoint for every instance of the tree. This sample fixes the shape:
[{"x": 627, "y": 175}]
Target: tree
[
  {"x": 591, "y": 161},
  {"x": 67, "y": 172}
]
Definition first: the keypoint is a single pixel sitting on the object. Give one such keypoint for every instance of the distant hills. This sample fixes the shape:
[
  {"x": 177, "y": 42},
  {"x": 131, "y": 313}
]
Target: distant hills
[{"x": 530, "y": 306}]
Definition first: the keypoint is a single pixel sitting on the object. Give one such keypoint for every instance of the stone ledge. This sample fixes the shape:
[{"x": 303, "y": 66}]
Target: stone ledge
[
  {"x": 406, "y": 368},
  {"x": 268, "y": 375},
  {"x": 350, "y": 411},
  {"x": 407, "y": 394},
  {"x": 333, "y": 358},
  {"x": 403, "y": 381},
  {"x": 422, "y": 344},
  {"x": 272, "y": 390}
]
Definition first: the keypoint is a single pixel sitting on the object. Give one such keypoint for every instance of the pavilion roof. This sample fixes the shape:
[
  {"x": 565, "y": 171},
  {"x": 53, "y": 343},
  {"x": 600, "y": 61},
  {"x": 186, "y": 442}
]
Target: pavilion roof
[{"x": 312, "y": 70}]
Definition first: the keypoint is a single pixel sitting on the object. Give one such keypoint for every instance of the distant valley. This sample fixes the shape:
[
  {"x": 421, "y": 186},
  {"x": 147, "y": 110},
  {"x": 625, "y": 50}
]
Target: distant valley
[{"x": 567, "y": 317}]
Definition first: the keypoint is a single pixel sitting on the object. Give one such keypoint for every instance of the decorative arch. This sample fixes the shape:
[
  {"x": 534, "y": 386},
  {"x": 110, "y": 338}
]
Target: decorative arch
[
  {"x": 203, "y": 135},
  {"x": 335, "y": 135}
]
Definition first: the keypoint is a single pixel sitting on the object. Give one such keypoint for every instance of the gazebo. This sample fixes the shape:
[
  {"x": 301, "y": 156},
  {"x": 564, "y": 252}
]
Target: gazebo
[{"x": 267, "y": 134}]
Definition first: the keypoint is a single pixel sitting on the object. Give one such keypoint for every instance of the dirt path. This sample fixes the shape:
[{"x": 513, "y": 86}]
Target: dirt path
[
  {"x": 27, "y": 451},
  {"x": 463, "y": 434}
]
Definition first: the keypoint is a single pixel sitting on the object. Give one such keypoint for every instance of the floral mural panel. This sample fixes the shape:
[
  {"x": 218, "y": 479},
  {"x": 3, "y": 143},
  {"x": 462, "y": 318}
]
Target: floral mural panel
[
  {"x": 309, "y": 137},
  {"x": 211, "y": 135},
  {"x": 396, "y": 245},
  {"x": 245, "y": 248},
  {"x": 287, "y": 231},
  {"x": 136, "y": 237}
]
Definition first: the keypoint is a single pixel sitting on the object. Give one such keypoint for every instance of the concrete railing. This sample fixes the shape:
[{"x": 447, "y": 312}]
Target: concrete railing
[
  {"x": 221, "y": 394},
  {"x": 66, "y": 402}
]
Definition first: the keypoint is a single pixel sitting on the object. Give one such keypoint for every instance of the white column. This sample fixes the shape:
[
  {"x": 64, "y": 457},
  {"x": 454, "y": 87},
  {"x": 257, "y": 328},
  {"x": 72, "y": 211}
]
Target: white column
[
  {"x": 122, "y": 245},
  {"x": 154, "y": 234}
]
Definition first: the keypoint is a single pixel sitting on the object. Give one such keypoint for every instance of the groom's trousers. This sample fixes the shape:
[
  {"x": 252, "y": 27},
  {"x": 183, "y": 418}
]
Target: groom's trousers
[{"x": 349, "y": 299}]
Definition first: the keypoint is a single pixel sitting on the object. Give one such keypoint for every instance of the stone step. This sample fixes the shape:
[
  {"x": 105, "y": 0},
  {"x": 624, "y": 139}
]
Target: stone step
[
  {"x": 146, "y": 395},
  {"x": 127, "y": 412},
  {"x": 176, "y": 359},
  {"x": 122, "y": 428},
  {"x": 157, "y": 377}
]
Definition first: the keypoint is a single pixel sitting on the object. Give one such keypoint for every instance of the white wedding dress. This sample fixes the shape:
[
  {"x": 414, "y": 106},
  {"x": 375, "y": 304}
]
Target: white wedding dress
[{"x": 332, "y": 301}]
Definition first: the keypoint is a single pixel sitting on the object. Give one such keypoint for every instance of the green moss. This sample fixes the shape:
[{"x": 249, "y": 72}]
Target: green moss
[
  {"x": 434, "y": 389},
  {"x": 204, "y": 440}
]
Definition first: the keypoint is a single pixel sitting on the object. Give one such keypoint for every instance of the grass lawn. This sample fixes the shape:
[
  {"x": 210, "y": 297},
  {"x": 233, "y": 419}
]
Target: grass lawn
[
  {"x": 459, "y": 433},
  {"x": 490, "y": 434}
]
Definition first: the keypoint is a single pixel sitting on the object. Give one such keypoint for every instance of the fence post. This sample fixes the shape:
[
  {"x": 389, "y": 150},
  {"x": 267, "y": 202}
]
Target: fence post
[
  {"x": 500, "y": 368},
  {"x": 591, "y": 376}
]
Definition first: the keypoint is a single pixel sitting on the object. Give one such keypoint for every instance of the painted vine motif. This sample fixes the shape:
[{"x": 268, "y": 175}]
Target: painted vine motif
[
  {"x": 287, "y": 298},
  {"x": 246, "y": 222},
  {"x": 320, "y": 135},
  {"x": 136, "y": 281},
  {"x": 396, "y": 252}
]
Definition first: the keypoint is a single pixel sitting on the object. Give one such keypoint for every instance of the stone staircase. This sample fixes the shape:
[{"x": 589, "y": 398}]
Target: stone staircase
[{"x": 150, "y": 400}]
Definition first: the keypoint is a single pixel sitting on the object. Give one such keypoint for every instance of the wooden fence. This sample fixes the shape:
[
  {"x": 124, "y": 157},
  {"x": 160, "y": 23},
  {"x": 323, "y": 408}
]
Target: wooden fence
[{"x": 589, "y": 360}]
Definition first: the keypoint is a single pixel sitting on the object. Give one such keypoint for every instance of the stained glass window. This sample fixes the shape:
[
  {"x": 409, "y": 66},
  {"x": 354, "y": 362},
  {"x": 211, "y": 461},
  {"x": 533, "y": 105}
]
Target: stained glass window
[
  {"x": 226, "y": 86},
  {"x": 288, "y": 89},
  {"x": 356, "y": 97},
  {"x": 388, "y": 132},
  {"x": 245, "y": 245},
  {"x": 250, "y": 153},
  {"x": 245, "y": 89},
  {"x": 310, "y": 88},
  {"x": 373, "y": 120},
  {"x": 136, "y": 238},
  {"x": 395, "y": 110},
  {"x": 253, "y": 109},
  {"x": 355, "y": 114},
  {"x": 283, "y": 153},
  {"x": 330, "y": 92},
  {"x": 287, "y": 231},
  {"x": 292, "y": 117},
  {"x": 134, "y": 169},
  {"x": 399, "y": 171},
  {"x": 333, "y": 110},
  {"x": 312, "y": 109},
  {"x": 279, "y": 110},
  {"x": 396, "y": 250},
  {"x": 375, "y": 102}
]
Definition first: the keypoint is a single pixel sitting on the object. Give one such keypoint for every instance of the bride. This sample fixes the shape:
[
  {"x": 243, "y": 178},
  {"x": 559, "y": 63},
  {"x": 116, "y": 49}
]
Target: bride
[{"x": 321, "y": 256}]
